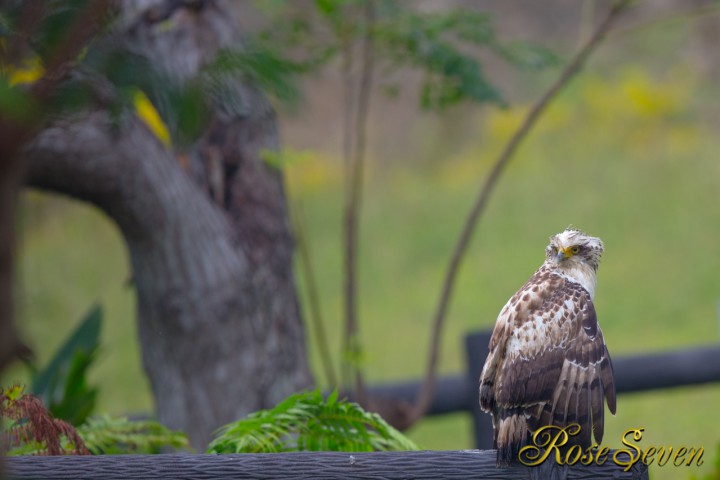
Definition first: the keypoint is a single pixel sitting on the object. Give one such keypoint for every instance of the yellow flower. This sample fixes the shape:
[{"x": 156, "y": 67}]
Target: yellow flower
[
  {"x": 652, "y": 98},
  {"x": 503, "y": 123}
]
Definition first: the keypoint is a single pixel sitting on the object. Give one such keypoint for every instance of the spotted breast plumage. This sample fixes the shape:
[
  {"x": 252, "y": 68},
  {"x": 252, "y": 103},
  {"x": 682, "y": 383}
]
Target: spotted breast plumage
[{"x": 548, "y": 363}]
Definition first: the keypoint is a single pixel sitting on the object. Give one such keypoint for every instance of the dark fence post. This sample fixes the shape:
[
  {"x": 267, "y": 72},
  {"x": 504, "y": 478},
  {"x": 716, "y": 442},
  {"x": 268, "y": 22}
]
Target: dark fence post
[{"x": 476, "y": 350}]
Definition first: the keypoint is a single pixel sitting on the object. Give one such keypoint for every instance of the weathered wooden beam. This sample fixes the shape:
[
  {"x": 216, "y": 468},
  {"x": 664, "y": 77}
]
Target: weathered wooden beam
[
  {"x": 467, "y": 464},
  {"x": 649, "y": 371},
  {"x": 453, "y": 393}
]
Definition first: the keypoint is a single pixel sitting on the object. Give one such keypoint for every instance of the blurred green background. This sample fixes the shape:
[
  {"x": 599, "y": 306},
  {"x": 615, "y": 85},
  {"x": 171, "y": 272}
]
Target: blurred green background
[{"x": 628, "y": 153}]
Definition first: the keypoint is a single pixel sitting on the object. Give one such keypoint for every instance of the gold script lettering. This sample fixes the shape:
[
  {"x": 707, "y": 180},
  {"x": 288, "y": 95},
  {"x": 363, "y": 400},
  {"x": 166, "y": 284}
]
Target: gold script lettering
[
  {"x": 632, "y": 459},
  {"x": 679, "y": 456},
  {"x": 662, "y": 459},
  {"x": 550, "y": 438},
  {"x": 647, "y": 457},
  {"x": 692, "y": 452},
  {"x": 602, "y": 455}
]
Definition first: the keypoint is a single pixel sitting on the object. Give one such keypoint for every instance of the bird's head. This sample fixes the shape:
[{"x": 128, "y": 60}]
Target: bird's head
[{"x": 572, "y": 248}]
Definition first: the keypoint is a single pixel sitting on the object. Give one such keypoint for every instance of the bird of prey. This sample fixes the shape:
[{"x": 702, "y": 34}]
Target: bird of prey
[{"x": 548, "y": 363}]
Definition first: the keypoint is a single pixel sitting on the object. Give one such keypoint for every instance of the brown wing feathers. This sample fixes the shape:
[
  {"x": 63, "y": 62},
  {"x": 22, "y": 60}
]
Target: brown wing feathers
[
  {"x": 562, "y": 378},
  {"x": 585, "y": 381}
]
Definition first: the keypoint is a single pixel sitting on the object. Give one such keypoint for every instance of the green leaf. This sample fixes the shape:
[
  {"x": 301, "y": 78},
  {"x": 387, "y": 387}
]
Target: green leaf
[
  {"x": 259, "y": 64},
  {"x": 327, "y": 7},
  {"x": 16, "y": 103},
  {"x": 77, "y": 400},
  {"x": 185, "y": 109},
  {"x": 62, "y": 385}
]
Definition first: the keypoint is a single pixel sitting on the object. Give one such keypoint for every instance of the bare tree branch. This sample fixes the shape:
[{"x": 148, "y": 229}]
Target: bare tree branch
[
  {"x": 346, "y": 367},
  {"x": 666, "y": 19},
  {"x": 353, "y": 200},
  {"x": 426, "y": 392},
  {"x": 306, "y": 267}
]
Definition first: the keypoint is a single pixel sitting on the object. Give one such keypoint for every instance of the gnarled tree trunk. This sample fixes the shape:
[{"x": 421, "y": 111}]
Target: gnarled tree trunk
[{"x": 207, "y": 229}]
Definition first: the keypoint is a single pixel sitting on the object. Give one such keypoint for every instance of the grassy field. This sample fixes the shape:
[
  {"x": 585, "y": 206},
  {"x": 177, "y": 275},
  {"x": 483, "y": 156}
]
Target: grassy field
[{"x": 626, "y": 158}]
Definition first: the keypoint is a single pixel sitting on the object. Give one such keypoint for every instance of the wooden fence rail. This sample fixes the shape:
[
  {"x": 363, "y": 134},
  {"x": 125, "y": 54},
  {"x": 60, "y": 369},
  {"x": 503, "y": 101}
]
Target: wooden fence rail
[
  {"x": 648, "y": 371},
  {"x": 469, "y": 464}
]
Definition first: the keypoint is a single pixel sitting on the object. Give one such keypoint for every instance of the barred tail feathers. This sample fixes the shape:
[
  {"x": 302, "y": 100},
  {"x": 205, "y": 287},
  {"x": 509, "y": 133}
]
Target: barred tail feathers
[{"x": 511, "y": 435}]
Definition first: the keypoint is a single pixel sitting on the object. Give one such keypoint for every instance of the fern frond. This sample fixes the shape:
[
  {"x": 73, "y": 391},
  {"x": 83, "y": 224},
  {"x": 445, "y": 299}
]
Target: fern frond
[
  {"x": 113, "y": 435},
  {"x": 307, "y": 422}
]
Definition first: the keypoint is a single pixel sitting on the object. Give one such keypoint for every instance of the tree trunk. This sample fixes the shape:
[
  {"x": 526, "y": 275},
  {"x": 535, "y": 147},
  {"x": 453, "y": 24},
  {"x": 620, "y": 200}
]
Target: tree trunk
[
  {"x": 207, "y": 229},
  {"x": 11, "y": 136}
]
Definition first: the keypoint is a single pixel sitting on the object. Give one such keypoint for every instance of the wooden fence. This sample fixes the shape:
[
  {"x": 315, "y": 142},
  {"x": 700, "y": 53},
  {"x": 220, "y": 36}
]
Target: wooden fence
[
  {"x": 647, "y": 371},
  {"x": 453, "y": 394},
  {"x": 470, "y": 464}
]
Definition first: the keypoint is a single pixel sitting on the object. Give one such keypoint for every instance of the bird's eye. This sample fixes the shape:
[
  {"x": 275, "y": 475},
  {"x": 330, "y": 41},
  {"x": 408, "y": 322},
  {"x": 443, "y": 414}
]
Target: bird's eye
[{"x": 575, "y": 250}]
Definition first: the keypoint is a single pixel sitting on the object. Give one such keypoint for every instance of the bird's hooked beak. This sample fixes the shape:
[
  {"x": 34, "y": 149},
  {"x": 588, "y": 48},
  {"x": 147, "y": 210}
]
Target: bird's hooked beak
[{"x": 562, "y": 254}]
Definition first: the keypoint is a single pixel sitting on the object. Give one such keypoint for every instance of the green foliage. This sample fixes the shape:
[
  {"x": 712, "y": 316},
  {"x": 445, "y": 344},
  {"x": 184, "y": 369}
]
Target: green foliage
[
  {"x": 59, "y": 16},
  {"x": 182, "y": 105},
  {"x": 434, "y": 43},
  {"x": 62, "y": 385},
  {"x": 71, "y": 96},
  {"x": 431, "y": 42},
  {"x": 184, "y": 108},
  {"x": 28, "y": 428},
  {"x": 422, "y": 41},
  {"x": 106, "y": 435},
  {"x": 260, "y": 65},
  {"x": 15, "y": 103},
  {"x": 441, "y": 45},
  {"x": 296, "y": 42},
  {"x": 61, "y": 393},
  {"x": 305, "y": 421}
]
